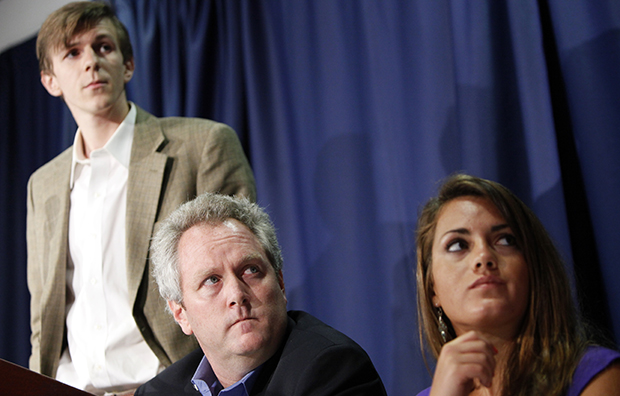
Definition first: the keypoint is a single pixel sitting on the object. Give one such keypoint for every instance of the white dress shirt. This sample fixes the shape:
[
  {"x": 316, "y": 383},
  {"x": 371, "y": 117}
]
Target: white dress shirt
[{"x": 106, "y": 351}]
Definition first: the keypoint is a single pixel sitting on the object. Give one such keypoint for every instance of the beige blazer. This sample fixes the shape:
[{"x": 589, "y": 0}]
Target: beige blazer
[{"x": 172, "y": 161}]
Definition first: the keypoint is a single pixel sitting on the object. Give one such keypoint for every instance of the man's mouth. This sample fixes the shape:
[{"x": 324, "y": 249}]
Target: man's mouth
[
  {"x": 96, "y": 84},
  {"x": 241, "y": 320}
]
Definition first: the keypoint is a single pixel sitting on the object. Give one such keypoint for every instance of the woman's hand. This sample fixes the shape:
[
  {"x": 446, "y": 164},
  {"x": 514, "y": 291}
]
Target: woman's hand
[{"x": 460, "y": 362}]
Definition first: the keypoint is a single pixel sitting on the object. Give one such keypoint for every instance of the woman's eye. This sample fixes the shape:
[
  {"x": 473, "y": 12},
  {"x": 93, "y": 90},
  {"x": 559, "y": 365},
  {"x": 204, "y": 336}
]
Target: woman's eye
[
  {"x": 507, "y": 240},
  {"x": 212, "y": 280},
  {"x": 456, "y": 246}
]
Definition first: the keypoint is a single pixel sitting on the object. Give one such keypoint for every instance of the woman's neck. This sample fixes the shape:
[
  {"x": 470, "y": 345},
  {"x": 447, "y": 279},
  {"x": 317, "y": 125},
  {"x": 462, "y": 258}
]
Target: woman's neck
[{"x": 505, "y": 348}]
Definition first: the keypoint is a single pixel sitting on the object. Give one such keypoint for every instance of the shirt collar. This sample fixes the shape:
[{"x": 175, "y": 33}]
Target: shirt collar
[
  {"x": 207, "y": 384},
  {"x": 119, "y": 145}
]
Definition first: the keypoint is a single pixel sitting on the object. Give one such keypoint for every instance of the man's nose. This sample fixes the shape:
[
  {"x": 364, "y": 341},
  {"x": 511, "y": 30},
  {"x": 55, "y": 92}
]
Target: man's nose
[
  {"x": 238, "y": 293},
  {"x": 91, "y": 59}
]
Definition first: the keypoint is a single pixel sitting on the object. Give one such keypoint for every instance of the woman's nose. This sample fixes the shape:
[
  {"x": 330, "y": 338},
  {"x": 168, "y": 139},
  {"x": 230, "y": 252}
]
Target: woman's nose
[{"x": 485, "y": 258}]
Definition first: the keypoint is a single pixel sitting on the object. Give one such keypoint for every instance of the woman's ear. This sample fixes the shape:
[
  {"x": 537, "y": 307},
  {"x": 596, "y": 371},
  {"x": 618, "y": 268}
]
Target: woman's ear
[{"x": 436, "y": 301}]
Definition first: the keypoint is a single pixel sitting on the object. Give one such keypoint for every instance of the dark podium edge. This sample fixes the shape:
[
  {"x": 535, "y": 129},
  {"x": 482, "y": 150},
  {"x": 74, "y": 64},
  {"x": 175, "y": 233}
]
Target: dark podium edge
[{"x": 16, "y": 380}]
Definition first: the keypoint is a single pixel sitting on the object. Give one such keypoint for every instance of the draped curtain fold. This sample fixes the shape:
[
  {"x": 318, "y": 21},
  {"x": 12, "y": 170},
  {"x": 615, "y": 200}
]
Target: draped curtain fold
[{"x": 350, "y": 112}]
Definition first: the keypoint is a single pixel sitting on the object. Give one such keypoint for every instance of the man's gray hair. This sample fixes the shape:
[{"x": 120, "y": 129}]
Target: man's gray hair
[{"x": 213, "y": 209}]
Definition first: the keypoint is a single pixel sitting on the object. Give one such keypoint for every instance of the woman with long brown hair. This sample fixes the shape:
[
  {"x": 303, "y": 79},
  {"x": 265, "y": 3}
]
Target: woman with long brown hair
[{"x": 494, "y": 301}]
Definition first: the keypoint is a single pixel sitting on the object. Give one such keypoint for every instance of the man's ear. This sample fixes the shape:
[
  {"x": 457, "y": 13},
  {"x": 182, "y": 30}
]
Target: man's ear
[
  {"x": 281, "y": 282},
  {"x": 129, "y": 69},
  {"x": 50, "y": 83},
  {"x": 180, "y": 315}
]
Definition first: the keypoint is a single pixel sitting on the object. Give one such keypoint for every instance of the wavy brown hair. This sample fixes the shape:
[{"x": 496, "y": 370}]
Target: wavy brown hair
[
  {"x": 75, "y": 18},
  {"x": 550, "y": 340}
]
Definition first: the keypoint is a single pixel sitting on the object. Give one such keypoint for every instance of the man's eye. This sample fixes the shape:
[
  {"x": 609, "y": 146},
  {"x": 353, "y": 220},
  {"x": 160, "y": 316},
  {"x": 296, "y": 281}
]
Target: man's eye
[
  {"x": 456, "y": 246},
  {"x": 212, "y": 280},
  {"x": 251, "y": 270},
  {"x": 105, "y": 48},
  {"x": 72, "y": 53}
]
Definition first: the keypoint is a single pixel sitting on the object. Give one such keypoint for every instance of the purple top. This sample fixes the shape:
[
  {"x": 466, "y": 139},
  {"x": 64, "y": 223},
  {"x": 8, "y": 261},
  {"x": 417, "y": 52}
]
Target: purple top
[
  {"x": 594, "y": 360},
  {"x": 425, "y": 392}
]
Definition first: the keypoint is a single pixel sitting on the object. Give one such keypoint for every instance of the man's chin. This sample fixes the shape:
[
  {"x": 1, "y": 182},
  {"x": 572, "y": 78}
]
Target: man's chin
[
  {"x": 250, "y": 349},
  {"x": 250, "y": 344}
]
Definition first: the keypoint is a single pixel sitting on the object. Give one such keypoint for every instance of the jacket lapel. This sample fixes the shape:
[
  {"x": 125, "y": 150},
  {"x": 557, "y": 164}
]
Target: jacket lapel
[
  {"x": 144, "y": 185},
  {"x": 56, "y": 252}
]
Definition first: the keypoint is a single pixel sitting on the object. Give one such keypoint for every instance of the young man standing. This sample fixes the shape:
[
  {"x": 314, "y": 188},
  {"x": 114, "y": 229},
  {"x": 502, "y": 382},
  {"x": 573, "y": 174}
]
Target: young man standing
[{"x": 97, "y": 320}]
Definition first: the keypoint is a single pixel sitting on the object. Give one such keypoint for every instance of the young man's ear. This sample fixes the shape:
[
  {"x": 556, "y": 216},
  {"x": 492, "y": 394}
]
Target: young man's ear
[
  {"x": 130, "y": 66},
  {"x": 180, "y": 316},
  {"x": 50, "y": 83}
]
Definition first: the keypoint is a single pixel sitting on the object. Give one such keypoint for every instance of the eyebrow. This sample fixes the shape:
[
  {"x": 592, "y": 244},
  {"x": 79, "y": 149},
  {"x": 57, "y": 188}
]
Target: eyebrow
[
  {"x": 465, "y": 231},
  {"x": 210, "y": 269},
  {"x": 101, "y": 36},
  {"x": 253, "y": 257}
]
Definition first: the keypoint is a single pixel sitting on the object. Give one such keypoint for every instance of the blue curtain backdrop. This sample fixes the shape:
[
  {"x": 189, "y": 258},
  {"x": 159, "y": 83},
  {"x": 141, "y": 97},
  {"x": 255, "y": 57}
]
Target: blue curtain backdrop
[{"x": 350, "y": 112}]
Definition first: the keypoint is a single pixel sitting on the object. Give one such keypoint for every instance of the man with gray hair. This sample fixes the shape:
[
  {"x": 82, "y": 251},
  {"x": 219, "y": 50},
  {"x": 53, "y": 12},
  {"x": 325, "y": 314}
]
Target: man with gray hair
[{"x": 218, "y": 265}]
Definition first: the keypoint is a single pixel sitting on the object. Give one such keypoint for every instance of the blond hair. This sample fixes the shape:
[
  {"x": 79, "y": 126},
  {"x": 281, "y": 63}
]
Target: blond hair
[{"x": 72, "y": 19}]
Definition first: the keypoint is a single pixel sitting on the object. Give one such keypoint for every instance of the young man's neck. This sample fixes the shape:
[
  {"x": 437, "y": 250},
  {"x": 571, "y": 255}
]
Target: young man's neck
[{"x": 97, "y": 129}]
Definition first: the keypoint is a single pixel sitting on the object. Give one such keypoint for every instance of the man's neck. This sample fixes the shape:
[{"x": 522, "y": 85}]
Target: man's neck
[
  {"x": 97, "y": 129},
  {"x": 230, "y": 377},
  {"x": 230, "y": 371}
]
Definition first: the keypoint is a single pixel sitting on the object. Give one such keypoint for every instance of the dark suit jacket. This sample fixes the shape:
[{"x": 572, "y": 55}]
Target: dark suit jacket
[
  {"x": 314, "y": 359},
  {"x": 172, "y": 161}
]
